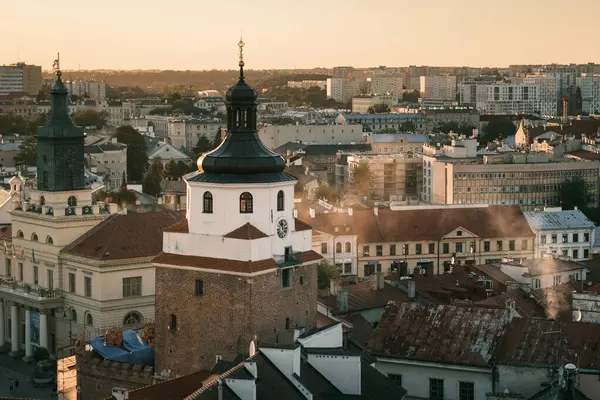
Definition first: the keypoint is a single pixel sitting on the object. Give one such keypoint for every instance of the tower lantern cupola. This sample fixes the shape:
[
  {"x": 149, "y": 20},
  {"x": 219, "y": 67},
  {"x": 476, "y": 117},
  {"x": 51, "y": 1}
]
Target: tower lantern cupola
[
  {"x": 242, "y": 152},
  {"x": 60, "y": 152}
]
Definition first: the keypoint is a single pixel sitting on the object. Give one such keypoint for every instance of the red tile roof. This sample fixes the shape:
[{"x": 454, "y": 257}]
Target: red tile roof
[
  {"x": 451, "y": 334},
  {"x": 124, "y": 236},
  {"x": 179, "y": 227},
  {"x": 6, "y": 233},
  {"x": 301, "y": 226},
  {"x": 425, "y": 224},
  {"x": 537, "y": 342},
  {"x": 175, "y": 389},
  {"x": 362, "y": 296},
  {"x": 246, "y": 232},
  {"x": 556, "y": 300},
  {"x": 526, "y": 307},
  {"x": 222, "y": 264}
]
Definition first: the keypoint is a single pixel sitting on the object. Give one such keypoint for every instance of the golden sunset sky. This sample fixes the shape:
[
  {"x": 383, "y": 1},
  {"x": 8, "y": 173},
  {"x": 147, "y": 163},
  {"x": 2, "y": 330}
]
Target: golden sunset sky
[{"x": 202, "y": 34}]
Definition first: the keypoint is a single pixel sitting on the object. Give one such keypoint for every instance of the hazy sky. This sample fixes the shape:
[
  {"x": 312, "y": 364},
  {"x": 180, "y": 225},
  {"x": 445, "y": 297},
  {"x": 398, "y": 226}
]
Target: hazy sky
[{"x": 202, "y": 34}]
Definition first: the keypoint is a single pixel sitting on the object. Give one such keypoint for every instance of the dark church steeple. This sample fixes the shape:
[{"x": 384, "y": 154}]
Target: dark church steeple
[
  {"x": 60, "y": 153},
  {"x": 242, "y": 152}
]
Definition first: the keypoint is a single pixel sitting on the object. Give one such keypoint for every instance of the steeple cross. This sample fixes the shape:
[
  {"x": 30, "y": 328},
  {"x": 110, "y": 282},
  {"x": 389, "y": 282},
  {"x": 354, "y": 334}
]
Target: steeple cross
[{"x": 241, "y": 45}]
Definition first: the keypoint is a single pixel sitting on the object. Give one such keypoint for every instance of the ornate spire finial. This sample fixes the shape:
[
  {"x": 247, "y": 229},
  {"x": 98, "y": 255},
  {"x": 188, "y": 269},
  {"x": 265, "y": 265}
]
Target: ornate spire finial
[
  {"x": 241, "y": 45},
  {"x": 56, "y": 65}
]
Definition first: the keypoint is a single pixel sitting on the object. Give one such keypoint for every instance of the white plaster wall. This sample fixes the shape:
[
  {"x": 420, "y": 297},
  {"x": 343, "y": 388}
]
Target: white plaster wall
[
  {"x": 226, "y": 215},
  {"x": 415, "y": 378},
  {"x": 331, "y": 257},
  {"x": 524, "y": 380},
  {"x": 329, "y": 338},
  {"x": 342, "y": 371},
  {"x": 570, "y": 245}
]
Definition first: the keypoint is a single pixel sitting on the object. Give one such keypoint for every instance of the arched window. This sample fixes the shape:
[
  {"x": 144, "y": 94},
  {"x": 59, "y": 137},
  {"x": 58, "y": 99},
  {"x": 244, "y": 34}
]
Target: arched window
[
  {"x": 49, "y": 240},
  {"x": 20, "y": 234},
  {"x": 89, "y": 320},
  {"x": 208, "y": 203},
  {"x": 338, "y": 247},
  {"x": 42, "y": 201},
  {"x": 72, "y": 201},
  {"x": 73, "y": 315},
  {"x": 133, "y": 318},
  {"x": 34, "y": 237},
  {"x": 348, "y": 247},
  {"x": 246, "y": 203},
  {"x": 280, "y": 200}
]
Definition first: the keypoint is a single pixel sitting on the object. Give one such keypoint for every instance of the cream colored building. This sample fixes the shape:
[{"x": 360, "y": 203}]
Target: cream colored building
[
  {"x": 394, "y": 143},
  {"x": 441, "y": 87},
  {"x": 434, "y": 238},
  {"x": 394, "y": 177},
  {"x": 456, "y": 174},
  {"x": 20, "y": 77},
  {"x": 382, "y": 85},
  {"x": 274, "y": 136},
  {"x": 361, "y": 105},
  {"x": 109, "y": 159}
]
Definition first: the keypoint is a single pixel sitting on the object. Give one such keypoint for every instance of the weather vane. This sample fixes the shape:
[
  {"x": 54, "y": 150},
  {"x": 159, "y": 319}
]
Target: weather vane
[
  {"x": 56, "y": 65},
  {"x": 241, "y": 46}
]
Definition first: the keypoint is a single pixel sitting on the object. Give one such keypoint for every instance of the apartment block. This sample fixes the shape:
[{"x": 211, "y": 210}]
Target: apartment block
[
  {"x": 508, "y": 98},
  {"x": 274, "y": 136},
  {"x": 20, "y": 77},
  {"x": 342, "y": 89},
  {"x": 548, "y": 92},
  {"x": 457, "y": 174},
  {"x": 440, "y": 87},
  {"x": 95, "y": 90},
  {"x": 589, "y": 85},
  {"x": 361, "y": 105},
  {"x": 394, "y": 177},
  {"x": 384, "y": 122},
  {"x": 381, "y": 85}
]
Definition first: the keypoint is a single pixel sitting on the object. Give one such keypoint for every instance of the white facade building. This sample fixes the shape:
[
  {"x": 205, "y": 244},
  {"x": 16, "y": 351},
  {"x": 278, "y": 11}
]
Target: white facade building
[
  {"x": 508, "y": 98},
  {"x": 11, "y": 80},
  {"x": 342, "y": 89},
  {"x": 542, "y": 273},
  {"x": 548, "y": 92},
  {"x": 387, "y": 85},
  {"x": 274, "y": 136},
  {"x": 568, "y": 234},
  {"x": 441, "y": 87},
  {"x": 590, "y": 93}
]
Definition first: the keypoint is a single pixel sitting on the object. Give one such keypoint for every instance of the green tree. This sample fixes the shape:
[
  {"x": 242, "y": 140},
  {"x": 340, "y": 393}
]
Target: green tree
[
  {"x": 408, "y": 126},
  {"x": 137, "y": 158},
  {"x": 498, "y": 128},
  {"x": 153, "y": 177},
  {"x": 411, "y": 97},
  {"x": 328, "y": 193},
  {"x": 378, "y": 109},
  {"x": 123, "y": 181},
  {"x": 325, "y": 273},
  {"x": 575, "y": 192},
  {"x": 89, "y": 117},
  {"x": 203, "y": 145},
  {"x": 362, "y": 181},
  {"x": 174, "y": 170},
  {"x": 218, "y": 138},
  {"x": 27, "y": 152}
]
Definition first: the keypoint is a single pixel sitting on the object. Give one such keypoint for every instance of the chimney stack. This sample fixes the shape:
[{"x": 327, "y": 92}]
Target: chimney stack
[
  {"x": 333, "y": 288},
  {"x": 412, "y": 288},
  {"x": 350, "y": 211},
  {"x": 342, "y": 300},
  {"x": 378, "y": 281},
  {"x": 312, "y": 212},
  {"x": 569, "y": 376},
  {"x": 295, "y": 213},
  {"x": 376, "y": 211}
]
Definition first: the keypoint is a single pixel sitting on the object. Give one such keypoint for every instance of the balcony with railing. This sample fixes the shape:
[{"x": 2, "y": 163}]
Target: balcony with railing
[
  {"x": 289, "y": 259},
  {"x": 21, "y": 291}
]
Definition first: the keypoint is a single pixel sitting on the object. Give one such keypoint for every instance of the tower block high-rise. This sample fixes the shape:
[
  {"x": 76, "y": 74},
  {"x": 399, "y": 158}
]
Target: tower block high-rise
[{"x": 240, "y": 268}]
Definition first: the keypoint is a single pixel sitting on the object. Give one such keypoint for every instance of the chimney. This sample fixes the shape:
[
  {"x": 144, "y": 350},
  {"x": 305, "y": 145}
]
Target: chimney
[
  {"x": 312, "y": 212},
  {"x": 295, "y": 213},
  {"x": 350, "y": 211},
  {"x": 569, "y": 376},
  {"x": 378, "y": 281},
  {"x": 220, "y": 389},
  {"x": 333, "y": 288},
  {"x": 510, "y": 308},
  {"x": 120, "y": 393},
  {"x": 114, "y": 140},
  {"x": 342, "y": 300},
  {"x": 412, "y": 288},
  {"x": 376, "y": 211}
]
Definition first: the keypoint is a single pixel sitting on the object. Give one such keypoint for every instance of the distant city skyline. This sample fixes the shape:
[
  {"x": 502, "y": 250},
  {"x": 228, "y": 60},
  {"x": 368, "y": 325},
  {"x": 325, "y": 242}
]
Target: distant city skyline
[{"x": 196, "y": 35}]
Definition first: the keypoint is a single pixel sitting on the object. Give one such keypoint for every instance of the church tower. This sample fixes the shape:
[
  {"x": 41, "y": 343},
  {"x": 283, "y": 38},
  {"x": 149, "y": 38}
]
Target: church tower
[
  {"x": 240, "y": 268},
  {"x": 60, "y": 154}
]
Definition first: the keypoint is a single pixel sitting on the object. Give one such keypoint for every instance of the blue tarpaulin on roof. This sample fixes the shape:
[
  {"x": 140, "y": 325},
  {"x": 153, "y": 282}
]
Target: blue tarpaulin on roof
[{"x": 137, "y": 351}]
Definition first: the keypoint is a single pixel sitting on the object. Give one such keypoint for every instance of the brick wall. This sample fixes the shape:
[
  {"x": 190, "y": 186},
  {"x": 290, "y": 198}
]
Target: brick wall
[
  {"x": 225, "y": 319},
  {"x": 97, "y": 377}
]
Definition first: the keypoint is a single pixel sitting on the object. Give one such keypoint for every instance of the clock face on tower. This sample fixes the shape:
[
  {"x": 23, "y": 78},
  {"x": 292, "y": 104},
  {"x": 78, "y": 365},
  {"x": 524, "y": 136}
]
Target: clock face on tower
[{"x": 282, "y": 228}]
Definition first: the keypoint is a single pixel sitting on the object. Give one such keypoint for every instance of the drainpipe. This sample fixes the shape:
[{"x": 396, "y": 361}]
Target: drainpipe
[{"x": 438, "y": 256}]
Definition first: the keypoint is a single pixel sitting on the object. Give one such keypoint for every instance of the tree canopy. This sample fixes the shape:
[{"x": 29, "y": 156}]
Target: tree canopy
[
  {"x": 575, "y": 192},
  {"x": 362, "y": 181},
  {"x": 378, "y": 109},
  {"x": 89, "y": 117},
  {"x": 325, "y": 273},
  {"x": 27, "y": 152},
  {"x": 136, "y": 151},
  {"x": 498, "y": 128},
  {"x": 411, "y": 97},
  {"x": 153, "y": 177},
  {"x": 203, "y": 145},
  {"x": 328, "y": 193},
  {"x": 174, "y": 170}
]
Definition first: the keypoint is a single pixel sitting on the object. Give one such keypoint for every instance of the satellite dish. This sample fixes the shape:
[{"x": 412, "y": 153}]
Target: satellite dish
[
  {"x": 578, "y": 316},
  {"x": 252, "y": 349}
]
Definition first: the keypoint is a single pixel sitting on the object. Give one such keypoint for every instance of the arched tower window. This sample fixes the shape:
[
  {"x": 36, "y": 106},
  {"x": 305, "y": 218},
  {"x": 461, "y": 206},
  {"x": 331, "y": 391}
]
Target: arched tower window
[
  {"x": 20, "y": 234},
  {"x": 280, "y": 198},
  {"x": 338, "y": 247},
  {"x": 208, "y": 203},
  {"x": 73, "y": 315},
  {"x": 348, "y": 247},
  {"x": 72, "y": 201},
  {"x": 34, "y": 237},
  {"x": 246, "y": 203},
  {"x": 49, "y": 240},
  {"x": 42, "y": 201}
]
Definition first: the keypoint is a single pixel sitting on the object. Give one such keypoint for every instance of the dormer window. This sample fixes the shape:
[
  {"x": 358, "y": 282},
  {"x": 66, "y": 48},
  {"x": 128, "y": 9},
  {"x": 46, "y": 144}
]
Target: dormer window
[
  {"x": 207, "y": 203},
  {"x": 458, "y": 233},
  {"x": 280, "y": 199},
  {"x": 246, "y": 203}
]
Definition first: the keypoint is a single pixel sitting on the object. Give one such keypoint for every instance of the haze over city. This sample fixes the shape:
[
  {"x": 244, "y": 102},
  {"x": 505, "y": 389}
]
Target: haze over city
[{"x": 202, "y": 35}]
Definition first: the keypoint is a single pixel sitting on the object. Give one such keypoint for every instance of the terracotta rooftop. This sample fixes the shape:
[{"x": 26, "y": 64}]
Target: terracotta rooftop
[
  {"x": 222, "y": 264},
  {"x": 301, "y": 226},
  {"x": 544, "y": 266},
  {"x": 6, "y": 233},
  {"x": 425, "y": 224},
  {"x": 361, "y": 330},
  {"x": 175, "y": 389},
  {"x": 124, "y": 236},
  {"x": 448, "y": 334},
  {"x": 179, "y": 227},
  {"x": 556, "y": 300},
  {"x": 536, "y": 342},
  {"x": 246, "y": 232},
  {"x": 525, "y": 306},
  {"x": 174, "y": 187},
  {"x": 362, "y": 296}
]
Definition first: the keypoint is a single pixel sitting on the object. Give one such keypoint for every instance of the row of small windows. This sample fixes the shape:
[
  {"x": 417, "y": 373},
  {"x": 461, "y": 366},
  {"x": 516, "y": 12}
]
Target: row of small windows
[
  {"x": 338, "y": 247},
  {"x": 246, "y": 202},
  {"x": 34, "y": 237}
]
